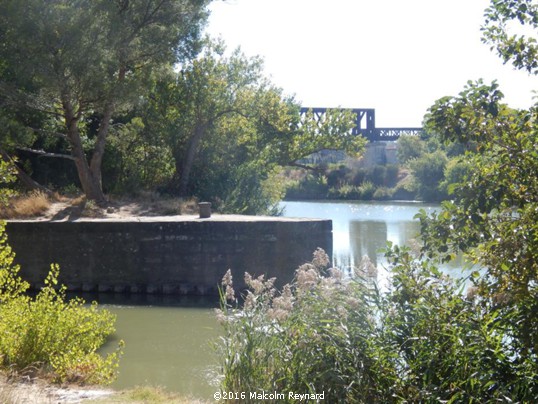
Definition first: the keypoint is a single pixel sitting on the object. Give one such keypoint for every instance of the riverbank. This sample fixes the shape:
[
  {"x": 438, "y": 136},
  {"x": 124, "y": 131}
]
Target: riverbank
[
  {"x": 32, "y": 391},
  {"x": 37, "y": 391}
]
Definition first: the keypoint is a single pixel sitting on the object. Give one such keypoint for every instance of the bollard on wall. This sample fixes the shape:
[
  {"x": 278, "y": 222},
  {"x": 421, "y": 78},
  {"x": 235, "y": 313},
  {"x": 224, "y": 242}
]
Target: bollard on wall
[{"x": 205, "y": 210}]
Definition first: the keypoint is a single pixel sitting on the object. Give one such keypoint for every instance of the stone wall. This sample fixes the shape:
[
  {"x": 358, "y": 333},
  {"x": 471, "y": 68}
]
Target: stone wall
[{"x": 165, "y": 255}]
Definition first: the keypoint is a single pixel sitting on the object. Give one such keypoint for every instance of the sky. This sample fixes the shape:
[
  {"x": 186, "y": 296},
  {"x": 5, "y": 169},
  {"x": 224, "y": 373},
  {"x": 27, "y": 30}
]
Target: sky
[{"x": 392, "y": 55}]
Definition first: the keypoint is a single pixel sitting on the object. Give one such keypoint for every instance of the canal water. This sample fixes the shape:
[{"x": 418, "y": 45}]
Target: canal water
[{"x": 169, "y": 342}]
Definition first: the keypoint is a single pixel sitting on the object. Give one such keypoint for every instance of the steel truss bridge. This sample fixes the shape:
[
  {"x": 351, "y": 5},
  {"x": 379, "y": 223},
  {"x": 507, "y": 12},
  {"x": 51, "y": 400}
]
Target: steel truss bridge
[{"x": 365, "y": 124}]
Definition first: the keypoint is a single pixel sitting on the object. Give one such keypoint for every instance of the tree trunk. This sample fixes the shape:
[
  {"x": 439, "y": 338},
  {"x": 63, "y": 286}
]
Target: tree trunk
[
  {"x": 99, "y": 149},
  {"x": 188, "y": 161},
  {"x": 90, "y": 185}
]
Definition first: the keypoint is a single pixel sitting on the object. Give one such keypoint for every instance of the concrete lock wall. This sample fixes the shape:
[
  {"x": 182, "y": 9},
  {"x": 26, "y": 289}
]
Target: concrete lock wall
[{"x": 163, "y": 255}]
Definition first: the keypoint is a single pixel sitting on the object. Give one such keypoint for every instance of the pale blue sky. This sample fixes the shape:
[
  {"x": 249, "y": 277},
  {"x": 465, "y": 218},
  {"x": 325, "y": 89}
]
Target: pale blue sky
[{"x": 392, "y": 55}]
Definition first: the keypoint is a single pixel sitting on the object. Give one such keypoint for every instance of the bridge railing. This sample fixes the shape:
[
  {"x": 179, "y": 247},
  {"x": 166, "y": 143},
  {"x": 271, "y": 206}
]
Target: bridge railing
[
  {"x": 365, "y": 125},
  {"x": 390, "y": 134}
]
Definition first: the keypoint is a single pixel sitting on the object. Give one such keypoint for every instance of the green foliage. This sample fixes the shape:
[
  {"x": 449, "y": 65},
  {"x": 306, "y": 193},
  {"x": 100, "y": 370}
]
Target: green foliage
[
  {"x": 366, "y": 190},
  {"x": 48, "y": 331},
  {"x": 7, "y": 175},
  {"x": 347, "y": 182},
  {"x": 254, "y": 192},
  {"x": 11, "y": 284},
  {"x": 456, "y": 172},
  {"x": 428, "y": 171},
  {"x": 383, "y": 193},
  {"x": 493, "y": 215},
  {"x": 467, "y": 117},
  {"x": 52, "y": 333},
  {"x": 493, "y": 219},
  {"x": 313, "y": 336},
  {"x": 409, "y": 148},
  {"x": 230, "y": 130},
  {"x": 137, "y": 159},
  {"x": 80, "y": 63},
  {"x": 449, "y": 346},
  {"x": 424, "y": 340},
  {"x": 310, "y": 187},
  {"x": 420, "y": 341},
  {"x": 346, "y": 191},
  {"x": 521, "y": 49}
]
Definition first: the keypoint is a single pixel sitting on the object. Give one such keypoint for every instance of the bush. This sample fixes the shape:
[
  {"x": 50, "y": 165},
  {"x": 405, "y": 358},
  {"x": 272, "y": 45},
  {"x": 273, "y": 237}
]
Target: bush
[
  {"x": 383, "y": 193},
  {"x": 311, "y": 337},
  {"x": 391, "y": 176},
  {"x": 377, "y": 175},
  {"x": 366, "y": 190},
  {"x": 420, "y": 341},
  {"x": 310, "y": 187},
  {"x": 358, "y": 176},
  {"x": 48, "y": 332},
  {"x": 346, "y": 191},
  {"x": 52, "y": 334},
  {"x": 428, "y": 172},
  {"x": 409, "y": 148}
]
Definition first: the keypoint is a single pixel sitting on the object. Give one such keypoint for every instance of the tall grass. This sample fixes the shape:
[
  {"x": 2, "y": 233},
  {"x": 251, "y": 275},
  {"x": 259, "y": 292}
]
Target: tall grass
[
  {"x": 423, "y": 340},
  {"x": 26, "y": 206},
  {"x": 311, "y": 337}
]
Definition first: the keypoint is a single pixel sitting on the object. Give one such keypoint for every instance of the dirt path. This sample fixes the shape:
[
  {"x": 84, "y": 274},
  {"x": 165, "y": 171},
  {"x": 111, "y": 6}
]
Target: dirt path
[
  {"x": 74, "y": 209},
  {"x": 38, "y": 392}
]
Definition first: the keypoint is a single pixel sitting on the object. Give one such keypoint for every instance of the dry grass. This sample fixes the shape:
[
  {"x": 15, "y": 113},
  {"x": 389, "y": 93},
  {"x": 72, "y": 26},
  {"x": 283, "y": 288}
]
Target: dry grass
[
  {"x": 147, "y": 395},
  {"x": 33, "y": 204},
  {"x": 18, "y": 389},
  {"x": 40, "y": 205},
  {"x": 40, "y": 391},
  {"x": 22, "y": 392}
]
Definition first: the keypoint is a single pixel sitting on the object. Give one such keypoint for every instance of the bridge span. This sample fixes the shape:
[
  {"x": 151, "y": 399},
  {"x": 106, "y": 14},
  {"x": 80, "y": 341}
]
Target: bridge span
[{"x": 365, "y": 124}]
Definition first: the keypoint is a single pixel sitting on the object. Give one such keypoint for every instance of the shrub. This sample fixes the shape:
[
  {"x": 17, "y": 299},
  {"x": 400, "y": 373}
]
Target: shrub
[
  {"x": 311, "y": 337},
  {"x": 428, "y": 172},
  {"x": 358, "y": 176},
  {"x": 310, "y": 187},
  {"x": 48, "y": 332},
  {"x": 366, "y": 190},
  {"x": 422, "y": 340},
  {"x": 346, "y": 191},
  {"x": 391, "y": 175},
  {"x": 409, "y": 148},
  {"x": 377, "y": 175},
  {"x": 383, "y": 193},
  {"x": 53, "y": 334}
]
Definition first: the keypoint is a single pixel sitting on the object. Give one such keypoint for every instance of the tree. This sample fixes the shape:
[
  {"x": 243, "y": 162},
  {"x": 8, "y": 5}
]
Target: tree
[
  {"x": 493, "y": 217},
  {"x": 206, "y": 91},
  {"x": 409, "y": 147},
  {"x": 428, "y": 172},
  {"x": 229, "y": 129},
  {"x": 501, "y": 18},
  {"x": 71, "y": 60}
]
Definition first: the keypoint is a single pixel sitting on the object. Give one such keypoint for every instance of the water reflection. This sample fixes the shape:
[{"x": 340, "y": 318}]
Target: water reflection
[
  {"x": 365, "y": 238},
  {"x": 363, "y": 228}
]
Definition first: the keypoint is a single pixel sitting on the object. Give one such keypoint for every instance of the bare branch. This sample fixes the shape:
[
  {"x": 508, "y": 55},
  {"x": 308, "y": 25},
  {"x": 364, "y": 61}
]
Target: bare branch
[{"x": 46, "y": 154}]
